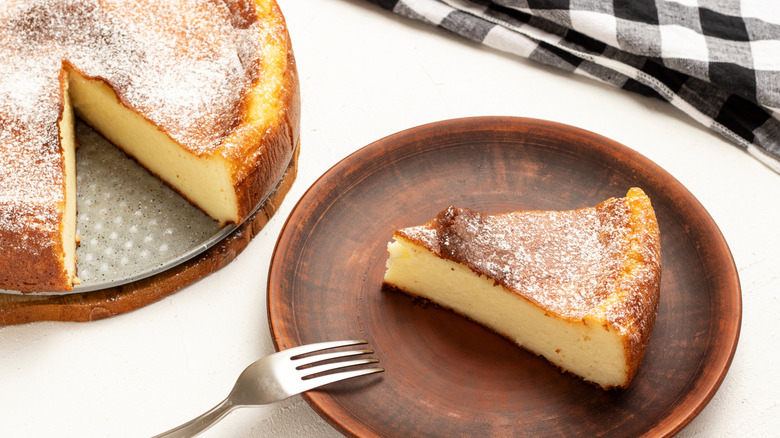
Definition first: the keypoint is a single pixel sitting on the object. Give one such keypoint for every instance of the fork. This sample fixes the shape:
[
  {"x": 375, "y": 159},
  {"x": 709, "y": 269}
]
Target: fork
[{"x": 282, "y": 375}]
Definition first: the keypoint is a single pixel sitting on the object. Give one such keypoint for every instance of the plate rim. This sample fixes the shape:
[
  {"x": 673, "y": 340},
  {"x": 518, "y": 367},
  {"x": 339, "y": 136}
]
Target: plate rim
[{"x": 670, "y": 424}]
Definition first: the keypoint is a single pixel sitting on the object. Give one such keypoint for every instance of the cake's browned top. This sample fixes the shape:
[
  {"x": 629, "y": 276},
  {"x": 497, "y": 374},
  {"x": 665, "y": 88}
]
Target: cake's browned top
[{"x": 600, "y": 262}]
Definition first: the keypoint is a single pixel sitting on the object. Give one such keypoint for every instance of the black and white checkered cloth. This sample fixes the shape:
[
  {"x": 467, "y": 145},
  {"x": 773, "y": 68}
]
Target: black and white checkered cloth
[{"x": 716, "y": 60}]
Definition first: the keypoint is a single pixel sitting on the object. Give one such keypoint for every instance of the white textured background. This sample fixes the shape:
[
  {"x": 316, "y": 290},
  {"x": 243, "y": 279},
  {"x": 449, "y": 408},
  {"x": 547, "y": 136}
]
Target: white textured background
[{"x": 365, "y": 74}]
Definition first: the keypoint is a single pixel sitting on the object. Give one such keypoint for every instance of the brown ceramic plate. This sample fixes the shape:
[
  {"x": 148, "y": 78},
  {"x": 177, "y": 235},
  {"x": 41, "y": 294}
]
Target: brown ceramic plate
[{"x": 446, "y": 376}]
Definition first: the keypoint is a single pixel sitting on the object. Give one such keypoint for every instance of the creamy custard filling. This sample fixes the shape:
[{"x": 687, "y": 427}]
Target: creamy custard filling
[
  {"x": 67, "y": 137},
  {"x": 205, "y": 181}
]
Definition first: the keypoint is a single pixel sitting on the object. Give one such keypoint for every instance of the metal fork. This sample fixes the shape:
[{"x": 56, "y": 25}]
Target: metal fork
[{"x": 281, "y": 375}]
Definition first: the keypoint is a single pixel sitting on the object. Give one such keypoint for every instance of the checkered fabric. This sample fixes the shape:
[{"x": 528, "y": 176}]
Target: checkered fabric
[{"x": 716, "y": 60}]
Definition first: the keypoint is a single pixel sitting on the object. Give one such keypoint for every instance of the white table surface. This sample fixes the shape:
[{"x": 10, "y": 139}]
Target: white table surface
[{"x": 366, "y": 73}]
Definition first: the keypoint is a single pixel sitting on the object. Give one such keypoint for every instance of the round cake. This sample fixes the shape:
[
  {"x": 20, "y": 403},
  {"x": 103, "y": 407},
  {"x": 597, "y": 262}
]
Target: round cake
[{"x": 203, "y": 93}]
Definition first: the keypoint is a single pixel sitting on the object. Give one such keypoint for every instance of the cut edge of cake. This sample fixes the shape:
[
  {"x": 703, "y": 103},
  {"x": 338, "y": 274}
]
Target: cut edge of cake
[
  {"x": 68, "y": 140},
  {"x": 205, "y": 181}
]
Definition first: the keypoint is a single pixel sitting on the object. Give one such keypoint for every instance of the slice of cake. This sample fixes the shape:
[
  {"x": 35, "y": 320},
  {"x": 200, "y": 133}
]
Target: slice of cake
[{"x": 578, "y": 287}]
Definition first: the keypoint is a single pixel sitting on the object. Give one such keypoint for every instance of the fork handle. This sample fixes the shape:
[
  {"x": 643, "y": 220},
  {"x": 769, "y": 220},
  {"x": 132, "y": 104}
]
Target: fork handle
[{"x": 200, "y": 423}]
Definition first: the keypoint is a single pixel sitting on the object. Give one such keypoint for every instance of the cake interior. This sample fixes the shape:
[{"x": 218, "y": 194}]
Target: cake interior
[
  {"x": 68, "y": 139},
  {"x": 584, "y": 347},
  {"x": 204, "y": 180}
]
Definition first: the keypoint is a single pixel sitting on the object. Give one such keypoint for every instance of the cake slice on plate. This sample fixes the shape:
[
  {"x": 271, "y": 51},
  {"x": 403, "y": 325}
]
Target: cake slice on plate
[{"x": 578, "y": 287}]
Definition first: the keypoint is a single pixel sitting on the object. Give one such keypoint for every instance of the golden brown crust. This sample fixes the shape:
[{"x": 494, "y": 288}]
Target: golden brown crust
[
  {"x": 274, "y": 149},
  {"x": 639, "y": 286},
  {"x": 45, "y": 272}
]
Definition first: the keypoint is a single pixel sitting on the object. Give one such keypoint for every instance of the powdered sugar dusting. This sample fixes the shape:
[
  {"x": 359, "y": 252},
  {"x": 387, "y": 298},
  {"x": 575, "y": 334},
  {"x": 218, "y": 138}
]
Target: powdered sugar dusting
[
  {"x": 565, "y": 261},
  {"x": 184, "y": 65}
]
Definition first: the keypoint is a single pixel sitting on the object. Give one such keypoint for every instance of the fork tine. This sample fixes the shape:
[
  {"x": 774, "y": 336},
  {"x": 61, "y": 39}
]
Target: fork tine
[
  {"x": 316, "y": 382},
  {"x": 322, "y": 357},
  {"x": 318, "y": 369},
  {"x": 319, "y": 346}
]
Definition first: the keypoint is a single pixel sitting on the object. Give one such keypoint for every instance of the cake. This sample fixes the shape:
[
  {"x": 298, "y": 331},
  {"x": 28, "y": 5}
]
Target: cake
[
  {"x": 202, "y": 93},
  {"x": 578, "y": 287}
]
